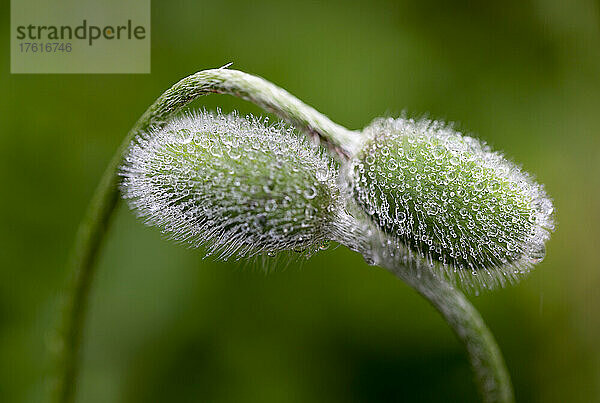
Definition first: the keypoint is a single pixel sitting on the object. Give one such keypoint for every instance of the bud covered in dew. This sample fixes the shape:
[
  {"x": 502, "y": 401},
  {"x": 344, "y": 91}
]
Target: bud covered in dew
[
  {"x": 235, "y": 185},
  {"x": 449, "y": 202}
]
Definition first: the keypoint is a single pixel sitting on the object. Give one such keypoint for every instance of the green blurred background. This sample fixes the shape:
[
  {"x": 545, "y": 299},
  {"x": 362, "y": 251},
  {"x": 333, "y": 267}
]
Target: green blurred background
[{"x": 166, "y": 325}]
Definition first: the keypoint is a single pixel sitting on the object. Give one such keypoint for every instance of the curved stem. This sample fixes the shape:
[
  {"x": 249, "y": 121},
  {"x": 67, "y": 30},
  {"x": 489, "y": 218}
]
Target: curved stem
[
  {"x": 258, "y": 91},
  {"x": 484, "y": 354},
  {"x": 95, "y": 223}
]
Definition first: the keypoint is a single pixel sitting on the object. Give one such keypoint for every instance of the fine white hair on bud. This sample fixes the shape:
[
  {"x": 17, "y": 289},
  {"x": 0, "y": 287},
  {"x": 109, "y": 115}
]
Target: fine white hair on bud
[
  {"x": 446, "y": 201},
  {"x": 237, "y": 186}
]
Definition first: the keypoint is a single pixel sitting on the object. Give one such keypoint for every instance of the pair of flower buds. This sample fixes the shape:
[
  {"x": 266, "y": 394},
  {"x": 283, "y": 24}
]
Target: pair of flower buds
[{"x": 417, "y": 189}]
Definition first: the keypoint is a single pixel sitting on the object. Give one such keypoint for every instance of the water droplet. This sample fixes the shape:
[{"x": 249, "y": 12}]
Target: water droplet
[
  {"x": 310, "y": 193},
  {"x": 270, "y": 205},
  {"x": 322, "y": 174},
  {"x": 537, "y": 254},
  {"x": 401, "y": 217}
]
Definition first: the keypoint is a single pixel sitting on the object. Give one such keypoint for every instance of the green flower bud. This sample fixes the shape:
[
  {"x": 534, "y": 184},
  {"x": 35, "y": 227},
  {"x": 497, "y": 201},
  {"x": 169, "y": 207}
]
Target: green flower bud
[
  {"x": 235, "y": 185},
  {"x": 449, "y": 201}
]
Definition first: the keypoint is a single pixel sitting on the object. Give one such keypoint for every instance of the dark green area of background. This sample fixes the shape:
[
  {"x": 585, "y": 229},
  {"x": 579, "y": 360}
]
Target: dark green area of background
[{"x": 166, "y": 325}]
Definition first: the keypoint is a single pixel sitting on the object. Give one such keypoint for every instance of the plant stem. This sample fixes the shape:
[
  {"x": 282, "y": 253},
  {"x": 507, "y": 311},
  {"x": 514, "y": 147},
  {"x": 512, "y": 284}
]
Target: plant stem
[
  {"x": 486, "y": 360},
  {"x": 258, "y": 91},
  {"x": 95, "y": 223}
]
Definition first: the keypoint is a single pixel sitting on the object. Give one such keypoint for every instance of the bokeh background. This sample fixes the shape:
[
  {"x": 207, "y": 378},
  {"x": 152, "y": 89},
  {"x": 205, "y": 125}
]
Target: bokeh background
[{"x": 165, "y": 325}]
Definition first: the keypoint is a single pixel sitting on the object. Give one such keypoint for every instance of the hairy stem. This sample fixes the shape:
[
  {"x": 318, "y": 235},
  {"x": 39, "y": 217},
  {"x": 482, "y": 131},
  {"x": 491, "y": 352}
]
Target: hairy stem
[
  {"x": 485, "y": 357},
  {"x": 258, "y": 91},
  {"x": 95, "y": 223}
]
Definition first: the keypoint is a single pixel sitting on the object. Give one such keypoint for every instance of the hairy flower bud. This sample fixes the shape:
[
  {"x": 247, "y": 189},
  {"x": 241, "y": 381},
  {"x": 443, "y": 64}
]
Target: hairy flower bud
[
  {"x": 450, "y": 201},
  {"x": 235, "y": 185}
]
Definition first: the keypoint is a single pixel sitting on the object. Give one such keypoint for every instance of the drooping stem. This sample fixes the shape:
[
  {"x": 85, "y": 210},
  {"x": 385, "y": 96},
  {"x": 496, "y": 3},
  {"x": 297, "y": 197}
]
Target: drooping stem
[
  {"x": 95, "y": 223},
  {"x": 492, "y": 378},
  {"x": 258, "y": 91}
]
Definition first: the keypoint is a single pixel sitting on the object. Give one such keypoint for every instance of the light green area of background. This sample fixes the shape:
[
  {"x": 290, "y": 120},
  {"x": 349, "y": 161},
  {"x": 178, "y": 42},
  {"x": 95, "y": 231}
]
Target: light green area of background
[{"x": 166, "y": 325}]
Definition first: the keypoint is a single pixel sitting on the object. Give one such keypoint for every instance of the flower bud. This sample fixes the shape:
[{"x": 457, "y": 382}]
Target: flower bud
[
  {"x": 235, "y": 185},
  {"x": 450, "y": 201}
]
